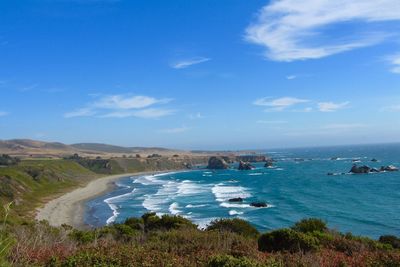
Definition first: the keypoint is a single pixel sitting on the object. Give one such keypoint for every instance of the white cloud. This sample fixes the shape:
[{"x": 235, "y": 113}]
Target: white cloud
[
  {"x": 196, "y": 116},
  {"x": 394, "y": 60},
  {"x": 81, "y": 112},
  {"x": 127, "y": 102},
  {"x": 331, "y": 107},
  {"x": 279, "y": 104},
  {"x": 189, "y": 62},
  {"x": 3, "y": 113},
  {"x": 298, "y": 30},
  {"x": 291, "y": 77},
  {"x": 122, "y": 106},
  {"x": 175, "y": 130}
]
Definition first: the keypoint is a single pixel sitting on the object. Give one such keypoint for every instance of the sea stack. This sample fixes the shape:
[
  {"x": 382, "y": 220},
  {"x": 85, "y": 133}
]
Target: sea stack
[
  {"x": 217, "y": 163},
  {"x": 245, "y": 166}
]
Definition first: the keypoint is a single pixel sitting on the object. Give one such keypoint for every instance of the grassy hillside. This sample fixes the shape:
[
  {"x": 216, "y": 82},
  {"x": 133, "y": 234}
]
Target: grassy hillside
[{"x": 31, "y": 182}]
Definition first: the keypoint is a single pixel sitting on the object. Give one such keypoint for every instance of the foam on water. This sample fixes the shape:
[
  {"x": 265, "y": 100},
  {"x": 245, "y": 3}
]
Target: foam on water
[
  {"x": 234, "y": 212},
  {"x": 224, "y": 192}
]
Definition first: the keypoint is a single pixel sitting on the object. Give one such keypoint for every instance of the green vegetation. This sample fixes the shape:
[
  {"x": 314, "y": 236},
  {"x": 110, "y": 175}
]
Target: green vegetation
[
  {"x": 6, "y": 160},
  {"x": 236, "y": 225},
  {"x": 287, "y": 240},
  {"x": 175, "y": 241}
]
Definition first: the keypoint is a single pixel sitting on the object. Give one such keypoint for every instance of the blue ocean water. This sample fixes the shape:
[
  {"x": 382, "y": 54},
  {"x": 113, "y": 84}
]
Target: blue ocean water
[{"x": 297, "y": 187}]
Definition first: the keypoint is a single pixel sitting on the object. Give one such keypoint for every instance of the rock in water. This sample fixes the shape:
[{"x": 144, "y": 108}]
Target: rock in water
[
  {"x": 236, "y": 199},
  {"x": 245, "y": 166},
  {"x": 389, "y": 168},
  {"x": 374, "y": 160},
  {"x": 259, "y": 204},
  {"x": 269, "y": 163},
  {"x": 361, "y": 169},
  {"x": 217, "y": 163}
]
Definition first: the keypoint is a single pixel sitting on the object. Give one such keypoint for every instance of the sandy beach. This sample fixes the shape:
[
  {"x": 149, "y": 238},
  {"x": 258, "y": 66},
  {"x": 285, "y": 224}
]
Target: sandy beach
[{"x": 69, "y": 208}]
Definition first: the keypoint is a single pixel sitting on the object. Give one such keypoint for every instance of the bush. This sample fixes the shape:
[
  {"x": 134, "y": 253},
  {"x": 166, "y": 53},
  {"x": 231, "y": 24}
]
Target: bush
[
  {"x": 236, "y": 225},
  {"x": 135, "y": 223},
  {"x": 287, "y": 240},
  {"x": 83, "y": 237},
  {"x": 166, "y": 222},
  {"x": 392, "y": 240},
  {"x": 310, "y": 225},
  {"x": 229, "y": 261}
]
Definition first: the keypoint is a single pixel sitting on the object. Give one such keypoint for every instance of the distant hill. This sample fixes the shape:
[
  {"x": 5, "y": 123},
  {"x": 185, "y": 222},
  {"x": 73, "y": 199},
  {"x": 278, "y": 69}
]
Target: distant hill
[
  {"x": 34, "y": 148},
  {"x": 115, "y": 149}
]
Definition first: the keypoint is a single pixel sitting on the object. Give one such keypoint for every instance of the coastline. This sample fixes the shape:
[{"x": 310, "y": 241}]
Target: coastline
[{"x": 69, "y": 208}]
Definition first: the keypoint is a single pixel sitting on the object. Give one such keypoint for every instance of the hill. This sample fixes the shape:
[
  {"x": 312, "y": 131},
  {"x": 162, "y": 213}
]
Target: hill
[{"x": 36, "y": 149}]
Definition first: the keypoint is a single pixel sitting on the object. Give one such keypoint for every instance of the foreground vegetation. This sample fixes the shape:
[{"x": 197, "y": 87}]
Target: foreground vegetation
[
  {"x": 175, "y": 241},
  {"x": 158, "y": 241}
]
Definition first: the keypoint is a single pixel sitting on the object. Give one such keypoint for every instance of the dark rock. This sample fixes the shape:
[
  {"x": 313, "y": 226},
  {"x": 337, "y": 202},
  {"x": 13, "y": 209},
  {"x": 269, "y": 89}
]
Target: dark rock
[
  {"x": 259, "y": 204},
  {"x": 236, "y": 199},
  {"x": 374, "y": 170},
  {"x": 251, "y": 158},
  {"x": 269, "y": 163},
  {"x": 334, "y": 158},
  {"x": 245, "y": 166},
  {"x": 217, "y": 163},
  {"x": 374, "y": 160},
  {"x": 361, "y": 169},
  {"x": 330, "y": 173},
  {"x": 389, "y": 168}
]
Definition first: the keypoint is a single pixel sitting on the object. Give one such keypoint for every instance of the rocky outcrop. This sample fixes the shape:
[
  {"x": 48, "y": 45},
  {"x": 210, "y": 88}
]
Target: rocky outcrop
[
  {"x": 217, "y": 163},
  {"x": 366, "y": 169},
  {"x": 269, "y": 163},
  {"x": 362, "y": 169},
  {"x": 374, "y": 160},
  {"x": 236, "y": 199},
  {"x": 251, "y": 158},
  {"x": 389, "y": 168},
  {"x": 259, "y": 204},
  {"x": 245, "y": 166}
]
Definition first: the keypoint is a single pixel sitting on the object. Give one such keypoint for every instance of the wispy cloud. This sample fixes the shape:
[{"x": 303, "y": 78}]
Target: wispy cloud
[
  {"x": 394, "y": 60},
  {"x": 81, "y": 112},
  {"x": 189, "y": 62},
  {"x": 3, "y": 113},
  {"x": 175, "y": 130},
  {"x": 298, "y": 30},
  {"x": 279, "y": 104},
  {"x": 331, "y": 107},
  {"x": 123, "y": 106},
  {"x": 196, "y": 116},
  {"x": 291, "y": 77}
]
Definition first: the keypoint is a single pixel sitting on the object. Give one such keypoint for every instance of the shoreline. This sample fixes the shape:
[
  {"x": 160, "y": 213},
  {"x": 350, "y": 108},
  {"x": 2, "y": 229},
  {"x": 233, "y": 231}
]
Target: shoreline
[{"x": 70, "y": 208}]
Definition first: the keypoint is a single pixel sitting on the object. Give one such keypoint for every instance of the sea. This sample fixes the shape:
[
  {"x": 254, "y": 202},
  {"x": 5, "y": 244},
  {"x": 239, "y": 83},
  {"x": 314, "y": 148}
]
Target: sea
[{"x": 297, "y": 187}]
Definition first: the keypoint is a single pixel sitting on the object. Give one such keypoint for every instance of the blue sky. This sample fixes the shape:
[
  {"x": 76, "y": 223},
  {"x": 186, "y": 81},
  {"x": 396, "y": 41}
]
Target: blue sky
[{"x": 202, "y": 74}]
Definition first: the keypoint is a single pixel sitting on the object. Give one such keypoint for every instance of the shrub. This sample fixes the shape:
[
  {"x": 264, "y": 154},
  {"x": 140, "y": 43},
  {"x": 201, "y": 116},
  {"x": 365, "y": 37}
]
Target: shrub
[
  {"x": 236, "y": 225},
  {"x": 135, "y": 223},
  {"x": 166, "y": 222},
  {"x": 310, "y": 225},
  {"x": 392, "y": 240},
  {"x": 83, "y": 237},
  {"x": 287, "y": 240},
  {"x": 229, "y": 261}
]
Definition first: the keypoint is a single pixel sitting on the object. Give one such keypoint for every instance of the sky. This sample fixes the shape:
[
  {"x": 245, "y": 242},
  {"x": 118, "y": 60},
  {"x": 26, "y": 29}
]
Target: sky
[{"x": 201, "y": 74}]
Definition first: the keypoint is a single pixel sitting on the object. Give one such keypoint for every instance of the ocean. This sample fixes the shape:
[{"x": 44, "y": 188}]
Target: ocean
[{"x": 296, "y": 187}]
